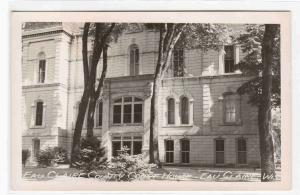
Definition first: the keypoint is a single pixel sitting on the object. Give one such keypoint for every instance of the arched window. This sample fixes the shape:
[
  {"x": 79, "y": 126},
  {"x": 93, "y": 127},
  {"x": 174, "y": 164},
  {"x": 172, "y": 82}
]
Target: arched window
[
  {"x": 134, "y": 60},
  {"x": 39, "y": 113},
  {"x": 42, "y": 67},
  {"x": 171, "y": 111},
  {"x": 231, "y": 108},
  {"x": 99, "y": 113},
  {"x": 178, "y": 62},
  {"x": 184, "y": 110}
]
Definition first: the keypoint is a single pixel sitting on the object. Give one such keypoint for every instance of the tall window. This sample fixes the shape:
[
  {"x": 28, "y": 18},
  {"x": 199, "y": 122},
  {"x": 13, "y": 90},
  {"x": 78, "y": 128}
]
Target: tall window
[
  {"x": 132, "y": 143},
  {"x": 220, "y": 157},
  {"x": 169, "y": 145},
  {"x": 184, "y": 110},
  {"x": 134, "y": 60},
  {"x": 99, "y": 114},
  {"x": 231, "y": 109},
  {"x": 36, "y": 147},
  {"x": 241, "y": 151},
  {"x": 128, "y": 110},
  {"x": 39, "y": 114},
  {"x": 171, "y": 111},
  {"x": 178, "y": 62},
  {"x": 229, "y": 58},
  {"x": 185, "y": 150},
  {"x": 42, "y": 68}
]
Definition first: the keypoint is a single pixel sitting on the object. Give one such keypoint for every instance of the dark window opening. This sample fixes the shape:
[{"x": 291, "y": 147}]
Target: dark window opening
[
  {"x": 220, "y": 159},
  {"x": 42, "y": 71},
  {"x": 178, "y": 62},
  {"x": 185, "y": 151},
  {"x": 229, "y": 58},
  {"x": 39, "y": 114},
  {"x": 127, "y": 113},
  {"x": 169, "y": 151},
  {"x": 138, "y": 113},
  {"x": 116, "y": 147},
  {"x": 184, "y": 110},
  {"x": 117, "y": 114},
  {"x": 134, "y": 60},
  {"x": 36, "y": 147},
  {"x": 137, "y": 147},
  {"x": 242, "y": 151},
  {"x": 171, "y": 111}
]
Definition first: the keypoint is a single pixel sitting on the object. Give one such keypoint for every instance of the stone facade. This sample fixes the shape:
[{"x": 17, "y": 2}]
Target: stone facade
[{"x": 205, "y": 86}]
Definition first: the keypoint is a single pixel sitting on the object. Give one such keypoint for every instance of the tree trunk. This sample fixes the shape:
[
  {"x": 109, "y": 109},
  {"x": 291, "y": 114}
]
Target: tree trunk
[
  {"x": 78, "y": 127},
  {"x": 90, "y": 117},
  {"x": 264, "y": 113},
  {"x": 153, "y": 144},
  {"x": 95, "y": 96},
  {"x": 84, "y": 99},
  {"x": 169, "y": 35}
]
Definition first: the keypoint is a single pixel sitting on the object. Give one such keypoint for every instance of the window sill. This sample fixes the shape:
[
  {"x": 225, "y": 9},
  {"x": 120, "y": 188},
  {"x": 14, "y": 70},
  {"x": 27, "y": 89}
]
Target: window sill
[
  {"x": 231, "y": 124},
  {"x": 128, "y": 124},
  {"x": 38, "y": 127},
  {"x": 177, "y": 126}
]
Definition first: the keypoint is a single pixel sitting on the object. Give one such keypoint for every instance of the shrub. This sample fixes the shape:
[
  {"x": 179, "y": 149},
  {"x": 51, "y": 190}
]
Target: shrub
[
  {"x": 60, "y": 155},
  {"x": 91, "y": 156},
  {"x": 127, "y": 168},
  {"x": 51, "y": 156},
  {"x": 25, "y": 156}
]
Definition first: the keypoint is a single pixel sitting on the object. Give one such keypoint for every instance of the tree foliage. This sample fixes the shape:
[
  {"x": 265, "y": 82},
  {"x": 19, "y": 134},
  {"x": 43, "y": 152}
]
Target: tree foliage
[
  {"x": 251, "y": 43},
  {"x": 203, "y": 36}
]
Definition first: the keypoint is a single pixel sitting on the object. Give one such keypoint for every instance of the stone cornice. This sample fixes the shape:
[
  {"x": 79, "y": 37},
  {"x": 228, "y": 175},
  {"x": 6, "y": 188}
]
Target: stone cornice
[
  {"x": 43, "y": 85},
  {"x": 48, "y": 31}
]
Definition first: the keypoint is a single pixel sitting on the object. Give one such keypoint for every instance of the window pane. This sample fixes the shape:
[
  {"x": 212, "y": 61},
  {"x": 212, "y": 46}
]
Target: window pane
[
  {"x": 117, "y": 114},
  {"x": 100, "y": 110},
  {"x": 138, "y": 113},
  {"x": 242, "y": 158},
  {"x": 42, "y": 68},
  {"x": 178, "y": 62},
  {"x": 230, "y": 110},
  {"x": 219, "y": 157},
  {"x": 136, "y": 56},
  {"x": 131, "y": 66},
  {"x": 185, "y": 157},
  {"x": 36, "y": 147},
  {"x": 127, "y": 99},
  {"x": 184, "y": 111},
  {"x": 116, "y": 146},
  {"x": 127, "y": 114},
  {"x": 169, "y": 145},
  {"x": 229, "y": 58},
  {"x": 127, "y": 144},
  {"x": 171, "y": 109},
  {"x": 242, "y": 146},
  {"x": 169, "y": 157},
  {"x": 185, "y": 145},
  {"x": 118, "y": 100},
  {"x": 39, "y": 114},
  {"x": 138, "y": 99},
  {"x": 219, "y": 145},
  {"x": 137, "y": 147}
]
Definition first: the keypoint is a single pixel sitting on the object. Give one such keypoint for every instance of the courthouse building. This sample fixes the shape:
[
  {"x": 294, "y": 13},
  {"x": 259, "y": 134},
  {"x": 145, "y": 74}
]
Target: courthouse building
[{"x": 201, "y": 120}]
